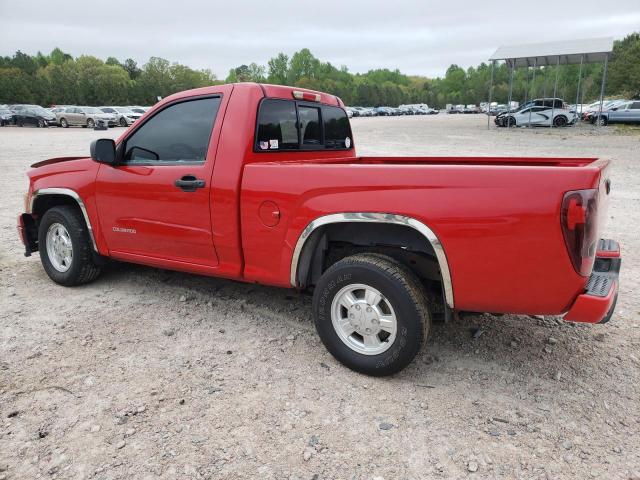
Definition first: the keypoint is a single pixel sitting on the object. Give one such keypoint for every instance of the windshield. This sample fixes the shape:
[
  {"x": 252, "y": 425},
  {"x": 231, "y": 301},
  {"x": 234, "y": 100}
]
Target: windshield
[
  {"x": 93, "y": 110},
  {"x": 124, "y": 110},
  {"x": 40, "y": 111}
]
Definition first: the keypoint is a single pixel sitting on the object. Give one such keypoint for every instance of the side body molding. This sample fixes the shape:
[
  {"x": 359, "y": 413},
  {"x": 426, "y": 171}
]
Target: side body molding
[
  {"x": 378, "y": 218},
  {"x": 69, "y": 193}
]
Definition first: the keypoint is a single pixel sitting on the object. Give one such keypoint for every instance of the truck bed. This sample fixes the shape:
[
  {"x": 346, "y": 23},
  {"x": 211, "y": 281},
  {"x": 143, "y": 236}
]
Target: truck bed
[{"x": 497, "y": 218}]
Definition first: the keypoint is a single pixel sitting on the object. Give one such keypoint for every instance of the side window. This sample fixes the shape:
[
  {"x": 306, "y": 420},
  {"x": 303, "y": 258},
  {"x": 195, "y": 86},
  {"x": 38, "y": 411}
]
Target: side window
[
  {"x": 635, "y": 106},
  {"x": 178, "y": 133},
  {"x": 337, "y": 132},
  {"x": 277, "y": 126},
  {"x": 309, "y": 122}
]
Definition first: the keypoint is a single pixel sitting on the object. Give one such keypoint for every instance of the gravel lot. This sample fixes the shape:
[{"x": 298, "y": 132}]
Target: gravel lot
[{"x": 155, "y": 374}]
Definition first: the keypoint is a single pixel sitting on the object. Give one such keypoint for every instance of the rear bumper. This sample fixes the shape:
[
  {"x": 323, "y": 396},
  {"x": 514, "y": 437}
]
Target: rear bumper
[{"x": 598, "y": 302}]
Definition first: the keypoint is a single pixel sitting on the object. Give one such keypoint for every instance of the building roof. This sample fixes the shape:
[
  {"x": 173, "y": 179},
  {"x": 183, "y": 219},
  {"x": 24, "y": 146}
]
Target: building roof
[{"x": 567, "y": 52}]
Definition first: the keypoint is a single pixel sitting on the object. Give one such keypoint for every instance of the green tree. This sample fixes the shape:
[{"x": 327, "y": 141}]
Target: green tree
[{"x": 278, "y": 69}]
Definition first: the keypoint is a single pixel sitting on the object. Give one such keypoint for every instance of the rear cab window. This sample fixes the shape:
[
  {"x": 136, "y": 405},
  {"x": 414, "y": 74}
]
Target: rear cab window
[{"x": 299, "y": 125}]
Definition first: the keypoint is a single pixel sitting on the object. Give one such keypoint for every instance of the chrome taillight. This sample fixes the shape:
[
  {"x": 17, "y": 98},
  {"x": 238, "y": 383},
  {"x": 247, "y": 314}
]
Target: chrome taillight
[{"x": 579, "y": 220}]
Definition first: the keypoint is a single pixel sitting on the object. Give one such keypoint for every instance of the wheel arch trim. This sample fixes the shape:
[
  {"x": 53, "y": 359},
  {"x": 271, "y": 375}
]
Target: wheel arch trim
[
  {"x": 69, "y": 193},
  {"x": 377, "y": 217}
]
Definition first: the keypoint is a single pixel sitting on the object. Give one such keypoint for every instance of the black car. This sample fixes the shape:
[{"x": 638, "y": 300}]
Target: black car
[
  {"x": 36, "y": 116},
  {"x": 6, "y": 117}
]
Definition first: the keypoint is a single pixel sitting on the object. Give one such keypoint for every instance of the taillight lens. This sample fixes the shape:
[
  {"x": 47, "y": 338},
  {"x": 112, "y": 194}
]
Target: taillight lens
[{"x": 579, "y": 220}]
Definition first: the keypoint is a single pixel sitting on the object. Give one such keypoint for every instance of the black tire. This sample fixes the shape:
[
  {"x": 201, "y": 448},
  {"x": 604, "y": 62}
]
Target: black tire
[
  {"x": 560, "y": 121},
  {"x": 83, "y": 268},
  {"x": 123, "y": 122},
  {"x": 64, "y": 123},
  {"x": 91, "y": 123},
  {"x": 510, "y": 122},
  {"x": 41, "y": 123},
  {"x": 398, "y": 286},
  {"x": 20, "y": 123},
  {"x": 603, "y": 121}
]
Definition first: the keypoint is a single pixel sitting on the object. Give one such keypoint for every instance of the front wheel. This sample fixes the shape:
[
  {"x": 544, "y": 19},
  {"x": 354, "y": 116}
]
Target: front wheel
[
  {"x": 371, "y": 313},
  {"x": 65, "y": 247},
  {"x": 64, "y": 123},
  {"x": 123, "y": 122},
  {"x": 41, "y": 123}
]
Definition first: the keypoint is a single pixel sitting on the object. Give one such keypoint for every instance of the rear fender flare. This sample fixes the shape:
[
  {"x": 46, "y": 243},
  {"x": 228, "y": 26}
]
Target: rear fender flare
[{"x": 377, "y": 217}]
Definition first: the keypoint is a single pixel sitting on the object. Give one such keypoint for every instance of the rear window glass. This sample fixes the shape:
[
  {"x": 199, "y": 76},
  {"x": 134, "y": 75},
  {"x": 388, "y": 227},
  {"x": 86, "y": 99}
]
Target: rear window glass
[
  {"x": 291, "y": 125},
  {"x": 337, "y": 131},
  {"x": 309, "y": 119},
  {"x": 277, "y": 126}
]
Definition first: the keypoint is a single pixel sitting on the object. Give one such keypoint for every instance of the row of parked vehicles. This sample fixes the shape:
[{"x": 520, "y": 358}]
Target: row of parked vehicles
[
  {"x": 556, "y": 112},
  {"x": 413, "y": 109},
  {"x": 69, "y": 116}
]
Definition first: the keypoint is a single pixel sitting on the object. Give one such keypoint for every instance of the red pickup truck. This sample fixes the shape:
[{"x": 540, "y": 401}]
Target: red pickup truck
[{"x": 261, "y": 183}]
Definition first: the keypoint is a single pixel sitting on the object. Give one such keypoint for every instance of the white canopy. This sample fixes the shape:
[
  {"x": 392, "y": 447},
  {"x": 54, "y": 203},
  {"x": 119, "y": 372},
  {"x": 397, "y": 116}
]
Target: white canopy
[{"x": 567, "y": 52}]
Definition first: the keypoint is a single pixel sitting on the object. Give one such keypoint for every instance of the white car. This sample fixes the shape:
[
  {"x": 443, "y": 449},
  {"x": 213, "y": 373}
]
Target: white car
[
  {"x": 125, "y": 116},
  {"x": 537, "y": 116}
]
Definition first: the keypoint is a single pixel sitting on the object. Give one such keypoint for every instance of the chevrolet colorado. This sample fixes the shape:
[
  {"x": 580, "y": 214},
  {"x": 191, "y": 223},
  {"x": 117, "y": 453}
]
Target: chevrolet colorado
[{"x": 261, "y": 183}]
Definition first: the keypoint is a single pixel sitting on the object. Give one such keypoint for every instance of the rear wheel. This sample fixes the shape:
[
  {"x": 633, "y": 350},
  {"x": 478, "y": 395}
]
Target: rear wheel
[
  {"x": 371, "y": 313},
  {"x": 65, "y": 247},
  {"x": 560, "y": 121},
  {"x": 64, "y": 123}
]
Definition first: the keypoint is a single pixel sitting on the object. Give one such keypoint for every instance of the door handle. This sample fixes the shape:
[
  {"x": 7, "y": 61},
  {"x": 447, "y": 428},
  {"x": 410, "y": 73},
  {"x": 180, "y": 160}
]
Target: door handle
[{"x": 189, "y": 183}]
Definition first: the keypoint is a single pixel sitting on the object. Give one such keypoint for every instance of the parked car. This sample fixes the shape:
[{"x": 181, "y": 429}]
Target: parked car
[
  {"x": 471, "y": 109},
  {"x": 85, "y": 117},
  {"x": 6, "y": 117},
  {"x": 36, "y": 116},
  {"x": 592, "y": 113},
  {"x": 384, "y": 111},
  {"x": 124, "y": 115},
  {"x": 537, "y": 116},
  {"x": 497, "y": 109},
  {"x": 181, "y": 190},
  {"x": 627, "y": 112},
  {"x": 538, "y": 112}
]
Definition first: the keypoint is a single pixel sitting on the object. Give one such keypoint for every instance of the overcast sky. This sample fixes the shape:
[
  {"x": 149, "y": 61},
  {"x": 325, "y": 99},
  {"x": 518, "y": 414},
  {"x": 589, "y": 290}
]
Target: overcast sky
[{"x": 417, "y": 36}]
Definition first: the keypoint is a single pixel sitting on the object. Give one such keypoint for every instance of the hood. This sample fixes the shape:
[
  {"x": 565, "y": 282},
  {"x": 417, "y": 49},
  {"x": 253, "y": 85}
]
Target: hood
[{"x": 54, "y": 160}]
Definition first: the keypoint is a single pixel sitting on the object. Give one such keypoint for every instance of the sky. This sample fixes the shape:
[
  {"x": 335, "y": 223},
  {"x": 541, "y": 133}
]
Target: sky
[{"x": 417, "y": 37}]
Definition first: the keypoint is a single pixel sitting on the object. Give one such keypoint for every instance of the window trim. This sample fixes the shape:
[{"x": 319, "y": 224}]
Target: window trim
[
  {"x": 121, "y": 147},
  {"x": 301, "y": 148}
]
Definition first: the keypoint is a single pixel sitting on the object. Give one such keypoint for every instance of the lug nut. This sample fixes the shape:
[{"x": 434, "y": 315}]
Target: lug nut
[
  {"x": 357, "y": 307},
  {"x": 368, "y": 309}
]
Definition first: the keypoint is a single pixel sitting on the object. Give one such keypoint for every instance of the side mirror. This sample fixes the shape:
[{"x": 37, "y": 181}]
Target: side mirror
[
  {"x": 615, "y": 109},
  {"x": 103, "y": 150}
]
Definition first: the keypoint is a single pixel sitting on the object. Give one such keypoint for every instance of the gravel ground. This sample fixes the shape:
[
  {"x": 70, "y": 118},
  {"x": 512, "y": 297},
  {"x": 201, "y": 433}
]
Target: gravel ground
[{"x": 155, "y": 374}]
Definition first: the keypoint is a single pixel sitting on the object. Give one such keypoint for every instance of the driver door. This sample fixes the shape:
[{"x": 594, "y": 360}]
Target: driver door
[{"x": 154, "y": 204}]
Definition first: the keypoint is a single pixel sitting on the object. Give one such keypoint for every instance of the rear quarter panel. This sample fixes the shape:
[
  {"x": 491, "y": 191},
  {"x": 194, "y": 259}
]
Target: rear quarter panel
[{"x": 499, "y": 225}]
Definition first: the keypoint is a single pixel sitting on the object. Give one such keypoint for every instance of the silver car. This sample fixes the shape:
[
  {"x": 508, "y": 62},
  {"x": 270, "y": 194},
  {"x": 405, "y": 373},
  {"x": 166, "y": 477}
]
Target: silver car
[
  {"x": 628, "y": 112},
  {"x": 124, "y": 115},
  {"x": 85, "y": 117}
]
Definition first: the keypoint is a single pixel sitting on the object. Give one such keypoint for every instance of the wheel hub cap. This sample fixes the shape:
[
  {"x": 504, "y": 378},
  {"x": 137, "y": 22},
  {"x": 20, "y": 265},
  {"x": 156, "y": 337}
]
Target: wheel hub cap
[
  {"x": 59, "y": 247},
  {"x": 364, "y": 319}
]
